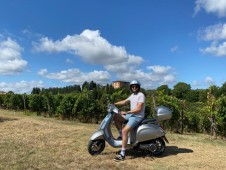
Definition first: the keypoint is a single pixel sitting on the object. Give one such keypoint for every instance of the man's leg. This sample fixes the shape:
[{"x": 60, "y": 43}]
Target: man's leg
[
  {"x": 121, "y": 155},
  {"x": 125, "y": 132},
  {"x": 119, "y": 120}
]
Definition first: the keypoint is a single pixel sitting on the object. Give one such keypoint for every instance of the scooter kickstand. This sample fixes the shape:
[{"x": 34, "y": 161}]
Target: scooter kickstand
[{"x": 151, "y": 155}]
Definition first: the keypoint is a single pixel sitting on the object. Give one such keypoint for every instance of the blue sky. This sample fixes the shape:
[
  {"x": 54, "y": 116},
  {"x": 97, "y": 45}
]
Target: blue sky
[{"x": 49, "y": 43}]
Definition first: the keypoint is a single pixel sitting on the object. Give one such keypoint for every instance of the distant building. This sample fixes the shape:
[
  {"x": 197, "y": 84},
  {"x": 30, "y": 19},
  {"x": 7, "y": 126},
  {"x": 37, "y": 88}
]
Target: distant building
[
  {"x": 118, "y": 84},
  {"x": 2, "y": 92}
]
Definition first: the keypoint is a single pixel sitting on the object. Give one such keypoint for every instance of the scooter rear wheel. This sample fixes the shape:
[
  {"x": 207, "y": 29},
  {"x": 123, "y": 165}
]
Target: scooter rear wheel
[
  {"x": 160, "y": 147},
  {"x": 95, "y": 147}
]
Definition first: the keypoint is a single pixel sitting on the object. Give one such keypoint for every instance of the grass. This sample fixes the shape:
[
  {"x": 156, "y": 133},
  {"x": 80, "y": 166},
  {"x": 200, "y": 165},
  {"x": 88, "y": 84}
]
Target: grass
[{"x": 31, "y": 142}]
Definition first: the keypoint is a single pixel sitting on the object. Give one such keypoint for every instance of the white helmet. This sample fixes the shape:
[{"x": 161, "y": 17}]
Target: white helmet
[{"x": 134, "y": 82}]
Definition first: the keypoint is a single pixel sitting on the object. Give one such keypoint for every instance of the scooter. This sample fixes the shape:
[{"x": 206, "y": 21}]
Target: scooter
[{"x": 147, "y": 136}]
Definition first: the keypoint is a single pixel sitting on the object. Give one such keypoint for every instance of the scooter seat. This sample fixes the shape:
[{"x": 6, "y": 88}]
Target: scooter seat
[
  {"x": 145, "y": 121},
  {"x": 149, "y": 120}
]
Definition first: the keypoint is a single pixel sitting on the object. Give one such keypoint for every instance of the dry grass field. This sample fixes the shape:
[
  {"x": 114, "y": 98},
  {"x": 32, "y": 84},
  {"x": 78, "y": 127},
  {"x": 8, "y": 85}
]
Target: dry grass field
[{"x": 30, "y": 142}]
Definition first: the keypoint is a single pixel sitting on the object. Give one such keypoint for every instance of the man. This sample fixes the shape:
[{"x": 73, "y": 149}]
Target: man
[{"x": 134, "y": 116}]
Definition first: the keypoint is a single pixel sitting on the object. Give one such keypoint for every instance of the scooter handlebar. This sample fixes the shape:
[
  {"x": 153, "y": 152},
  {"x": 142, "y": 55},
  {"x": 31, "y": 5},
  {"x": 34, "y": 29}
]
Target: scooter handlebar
[{"x": 113, "y": 108}]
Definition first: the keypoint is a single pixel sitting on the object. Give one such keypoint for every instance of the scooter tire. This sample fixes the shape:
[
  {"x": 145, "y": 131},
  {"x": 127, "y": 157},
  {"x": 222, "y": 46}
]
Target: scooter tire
[
  {"x": 160, "y": 147},
  {"x": 95, "y": 147}
]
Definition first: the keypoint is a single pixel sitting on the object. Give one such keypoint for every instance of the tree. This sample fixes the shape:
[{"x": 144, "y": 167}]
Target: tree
[
  {"x": 85, "y": 85},
  {"x": 223, "y": 89},
  {"x": 85, "y": 106},
  {"x": 92, "y": 85},
  {"x": 36, "y": 90},
  {"x": 202, "y": 95},
  {"x": 16, "y": 102},
  {"x": 66, "y": 106},
  {"x": 50, "y": 106},
  {"x": 192, "y": 96},
  {"x": 175, "y": 105},
  {"x": 220, "y": 116},
  {"x": 181, "y": 90},
  {"x": 36, "y": 103},
  {"x": 211, "y": 106},
  {"x": 165, "y": 89},
  {"x": 109, "y": 89},
  {"x": 7, "y": 101},
  {"x": 2, "y": 98}
]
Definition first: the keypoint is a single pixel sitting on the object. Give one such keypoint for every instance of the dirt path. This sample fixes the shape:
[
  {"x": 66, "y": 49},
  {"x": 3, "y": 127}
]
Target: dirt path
[{"x": 29, "y": 142}]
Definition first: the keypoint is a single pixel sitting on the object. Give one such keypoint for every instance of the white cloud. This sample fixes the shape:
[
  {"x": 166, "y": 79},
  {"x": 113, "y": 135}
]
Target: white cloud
[
  {"x": 21, "y": 86},
  {"x": 169, "y": 78},
  {"x": 209, "y": 80},
  {"x": 217, "y": 7},
  {"x": 174, "y": 49},
  {"x": 206, "y": 82},
  {"x": 94, "y": 49},
  {"x": 160, "y": 69},
  {"x": 216, "y": 34},
  {"x": 215, "y": 49},
  {"x": 213, "y": 32},
  {"x": 89, "y": 46},
  {"x": 157, "y": 76},
  {"x": 11, "y": 61},
  {"x": 77, "y": 77},
  {"x": 132, "y": 64},
  {"x": 42, "y": 72},
  {"x": 70, "y": 61}
]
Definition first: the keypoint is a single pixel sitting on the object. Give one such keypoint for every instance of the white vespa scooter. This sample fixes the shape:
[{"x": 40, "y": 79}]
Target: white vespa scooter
[{"x": 148, "y": 135}]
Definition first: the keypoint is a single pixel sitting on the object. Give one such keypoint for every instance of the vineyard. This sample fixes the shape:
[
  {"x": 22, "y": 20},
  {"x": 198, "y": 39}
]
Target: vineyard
[{"x": 200, "y": 111}]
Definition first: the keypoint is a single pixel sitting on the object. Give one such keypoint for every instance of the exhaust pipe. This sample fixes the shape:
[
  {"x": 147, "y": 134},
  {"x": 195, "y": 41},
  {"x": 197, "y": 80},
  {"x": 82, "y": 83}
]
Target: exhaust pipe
[{"x": 150, "y": 147}]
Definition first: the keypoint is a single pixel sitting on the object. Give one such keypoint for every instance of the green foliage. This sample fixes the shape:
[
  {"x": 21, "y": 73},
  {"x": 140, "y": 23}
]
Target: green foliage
[
  {"x": 200, "y": 110},
  {"x": 223, "y": 89},
  {"x": 36, "y": 103},
  {"x": 66, "y": 106},
  {"x": 174, "y": 104},
  {"x": 164, "y": 89},
  {"x": 2, "y": 98},
  {"x": 57, "y": 90},
  {"x": 6, "y": 102},
  {"x": 16, "y": 102},
  {"x": 181, "y": 90},
  {"x": 86, "y": 106},
  {"x": 36, "y": 90},
  {"x": 221, "y": 116}
]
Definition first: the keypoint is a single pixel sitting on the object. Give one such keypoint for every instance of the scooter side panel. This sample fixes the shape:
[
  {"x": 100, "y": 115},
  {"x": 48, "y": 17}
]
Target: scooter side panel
[
  {"x": 149, "y": 132},
  {"x": 97, "y": 135}
]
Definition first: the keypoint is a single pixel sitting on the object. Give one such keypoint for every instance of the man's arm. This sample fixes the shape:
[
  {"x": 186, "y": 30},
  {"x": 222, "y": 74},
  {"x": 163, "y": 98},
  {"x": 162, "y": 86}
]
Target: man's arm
[
  {"x": 137, "y": 109},
  {"x": 121, "y": 102}
]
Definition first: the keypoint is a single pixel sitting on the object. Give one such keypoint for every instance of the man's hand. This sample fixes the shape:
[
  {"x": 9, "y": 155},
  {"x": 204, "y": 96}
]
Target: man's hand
[{"x": 123, "y": 113}]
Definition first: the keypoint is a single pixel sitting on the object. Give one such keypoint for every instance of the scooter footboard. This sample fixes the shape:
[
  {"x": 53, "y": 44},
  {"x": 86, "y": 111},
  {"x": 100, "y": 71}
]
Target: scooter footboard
[{"x": 97, "y": 135}]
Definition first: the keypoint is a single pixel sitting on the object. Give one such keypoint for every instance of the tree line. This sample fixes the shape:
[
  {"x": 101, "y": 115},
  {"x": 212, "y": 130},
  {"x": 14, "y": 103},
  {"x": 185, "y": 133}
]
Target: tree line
[{"x": 194, "y": 110}]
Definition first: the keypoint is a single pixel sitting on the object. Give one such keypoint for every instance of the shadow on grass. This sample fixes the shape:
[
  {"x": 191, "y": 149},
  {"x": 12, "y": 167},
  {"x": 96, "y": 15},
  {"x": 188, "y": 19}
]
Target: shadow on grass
[
  {"x": 174, "y": 150},
  {"x": 4, "y": 119},
  {"x": 170, "y": 150}
]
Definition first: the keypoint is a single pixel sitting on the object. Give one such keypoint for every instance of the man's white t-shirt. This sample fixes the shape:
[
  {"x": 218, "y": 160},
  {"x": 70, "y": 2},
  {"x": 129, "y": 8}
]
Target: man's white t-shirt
[{"x": 134, "y": 100}]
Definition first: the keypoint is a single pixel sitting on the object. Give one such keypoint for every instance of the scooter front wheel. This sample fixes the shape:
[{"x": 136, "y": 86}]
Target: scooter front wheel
[{"x": 95, "y": 147}]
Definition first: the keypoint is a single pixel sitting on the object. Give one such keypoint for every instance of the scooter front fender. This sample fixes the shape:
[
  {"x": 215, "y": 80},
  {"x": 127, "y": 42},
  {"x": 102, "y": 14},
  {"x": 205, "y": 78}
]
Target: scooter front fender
[{"x": 97, "y": 135}]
